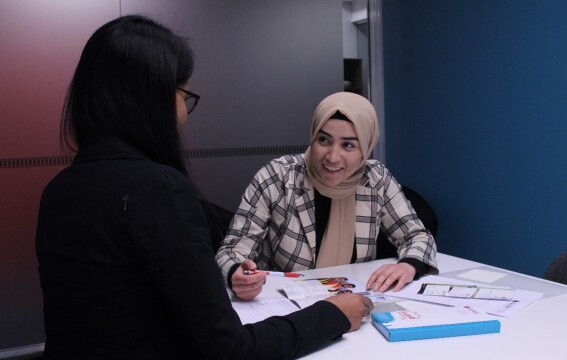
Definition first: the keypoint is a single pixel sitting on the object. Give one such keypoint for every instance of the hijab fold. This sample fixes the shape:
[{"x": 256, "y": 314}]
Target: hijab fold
[{"x": 338, "y": 240}]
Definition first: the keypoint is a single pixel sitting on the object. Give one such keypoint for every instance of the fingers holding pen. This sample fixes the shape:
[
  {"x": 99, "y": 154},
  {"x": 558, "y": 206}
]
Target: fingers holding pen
[{"x": 245, "y": 283}]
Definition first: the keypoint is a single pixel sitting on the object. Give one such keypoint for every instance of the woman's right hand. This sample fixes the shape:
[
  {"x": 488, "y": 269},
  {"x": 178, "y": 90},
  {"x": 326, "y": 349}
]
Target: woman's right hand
[
  {"x": 354, "y": 306},
  {"x": 247, "y": 287}
]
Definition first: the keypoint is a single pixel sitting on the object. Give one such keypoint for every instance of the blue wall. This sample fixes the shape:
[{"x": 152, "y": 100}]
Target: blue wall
[{"x": 476, "y": 120}]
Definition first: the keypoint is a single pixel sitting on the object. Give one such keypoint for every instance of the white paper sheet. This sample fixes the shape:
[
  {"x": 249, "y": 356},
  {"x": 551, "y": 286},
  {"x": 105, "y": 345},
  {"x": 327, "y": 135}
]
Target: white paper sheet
[
  {"x": 506, "y": 308},
  {"x": 260, "y": 309},
  {"x": 482, "y": 275}
]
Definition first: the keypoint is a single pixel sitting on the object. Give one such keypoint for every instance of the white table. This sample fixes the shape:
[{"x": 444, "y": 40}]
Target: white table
[{"x": 537, "y": 332}]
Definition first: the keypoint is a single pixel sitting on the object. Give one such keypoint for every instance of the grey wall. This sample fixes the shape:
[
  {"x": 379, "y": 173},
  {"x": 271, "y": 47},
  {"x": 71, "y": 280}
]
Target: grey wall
[
  {"x": 260, "y": 73},
  {"x": 262, "y": 66}
]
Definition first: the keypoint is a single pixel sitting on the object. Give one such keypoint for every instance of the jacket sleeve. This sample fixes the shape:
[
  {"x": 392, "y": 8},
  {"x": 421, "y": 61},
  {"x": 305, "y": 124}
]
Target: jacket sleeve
[
  {"x": 176, "y": 256},
  {"x": 403, "y": 227},
  {"x": 249, "y": 226}
]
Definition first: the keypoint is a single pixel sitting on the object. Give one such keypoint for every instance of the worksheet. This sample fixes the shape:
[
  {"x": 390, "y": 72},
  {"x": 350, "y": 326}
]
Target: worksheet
[{"x": 506, "y": 308}]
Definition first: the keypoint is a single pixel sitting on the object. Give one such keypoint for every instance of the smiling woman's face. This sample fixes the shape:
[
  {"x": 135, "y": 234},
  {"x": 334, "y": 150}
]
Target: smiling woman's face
[{"x": 336, "y": 152}]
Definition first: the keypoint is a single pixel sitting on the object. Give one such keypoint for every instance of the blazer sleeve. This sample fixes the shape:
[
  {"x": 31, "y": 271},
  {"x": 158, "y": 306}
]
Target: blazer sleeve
[
  {"x": 403, "y": 227},
  {"x": 249, "y": 226},
  {"x": 174, "y": 252}
]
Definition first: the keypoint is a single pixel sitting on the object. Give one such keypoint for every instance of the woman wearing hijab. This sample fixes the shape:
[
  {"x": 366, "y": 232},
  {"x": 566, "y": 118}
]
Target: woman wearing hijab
[{"x": 326, "y": 207}]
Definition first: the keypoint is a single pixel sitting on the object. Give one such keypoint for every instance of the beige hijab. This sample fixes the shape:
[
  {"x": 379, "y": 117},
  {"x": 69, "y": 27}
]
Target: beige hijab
[{"x": 338, "y": 240}]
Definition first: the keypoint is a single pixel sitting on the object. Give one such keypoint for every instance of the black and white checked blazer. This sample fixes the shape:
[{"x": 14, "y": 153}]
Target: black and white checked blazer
[{"x": 275, "y": 222}]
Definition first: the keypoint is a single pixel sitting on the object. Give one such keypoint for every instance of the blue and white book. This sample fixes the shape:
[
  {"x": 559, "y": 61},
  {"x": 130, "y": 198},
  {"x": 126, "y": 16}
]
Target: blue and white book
[{"x": 434, "y": 323}]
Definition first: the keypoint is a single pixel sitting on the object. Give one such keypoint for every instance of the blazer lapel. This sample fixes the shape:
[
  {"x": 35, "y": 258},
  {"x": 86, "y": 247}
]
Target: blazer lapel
[
  {"x": 305, "y": 202},
  {"x": 366, "y": 227}
]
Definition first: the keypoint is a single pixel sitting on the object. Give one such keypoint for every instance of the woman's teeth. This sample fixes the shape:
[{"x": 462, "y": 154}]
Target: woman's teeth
[{"x": 331, "y": 168}]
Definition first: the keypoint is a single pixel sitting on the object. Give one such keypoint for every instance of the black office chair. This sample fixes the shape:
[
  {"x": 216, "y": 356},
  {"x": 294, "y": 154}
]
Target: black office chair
[
  {"x": 384, "y": 248},
  {"x": 218, "y": 219},
  {"x": 557, "y": 270}
]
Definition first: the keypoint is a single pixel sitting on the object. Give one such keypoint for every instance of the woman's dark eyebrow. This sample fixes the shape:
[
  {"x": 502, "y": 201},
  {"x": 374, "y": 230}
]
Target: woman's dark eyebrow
[{"x": 353, "y": 138}]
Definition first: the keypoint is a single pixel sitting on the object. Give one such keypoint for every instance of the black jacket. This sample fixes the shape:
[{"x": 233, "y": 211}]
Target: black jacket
[{"x": 127, "y": 270}]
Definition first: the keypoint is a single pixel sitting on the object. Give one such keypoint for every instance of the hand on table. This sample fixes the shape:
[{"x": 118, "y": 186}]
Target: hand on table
[
  {"x": 354, "y": 306},
  {"x": 387, "y": 275},
  {"x": 247, "y": 287}
]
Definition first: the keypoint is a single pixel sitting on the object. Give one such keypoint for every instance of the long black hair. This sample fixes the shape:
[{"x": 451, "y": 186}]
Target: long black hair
[{"x": 125, "y": 85}]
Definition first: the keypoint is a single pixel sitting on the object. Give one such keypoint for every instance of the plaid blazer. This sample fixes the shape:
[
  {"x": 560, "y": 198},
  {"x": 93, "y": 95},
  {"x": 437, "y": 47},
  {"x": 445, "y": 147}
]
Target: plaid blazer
[{"x": 275, "y": 222}]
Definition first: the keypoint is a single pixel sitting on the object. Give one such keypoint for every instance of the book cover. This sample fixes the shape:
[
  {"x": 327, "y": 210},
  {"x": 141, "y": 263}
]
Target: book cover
[{"x": 434, "y": 323}]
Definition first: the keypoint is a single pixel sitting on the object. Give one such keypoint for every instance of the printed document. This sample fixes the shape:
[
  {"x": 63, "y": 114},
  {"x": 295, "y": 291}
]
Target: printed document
[{"x": 505, "y": 308}]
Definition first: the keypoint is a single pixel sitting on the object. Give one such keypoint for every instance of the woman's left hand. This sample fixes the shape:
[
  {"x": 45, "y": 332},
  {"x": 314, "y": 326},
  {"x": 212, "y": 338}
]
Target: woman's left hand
[{"x": 387, "y": 275}]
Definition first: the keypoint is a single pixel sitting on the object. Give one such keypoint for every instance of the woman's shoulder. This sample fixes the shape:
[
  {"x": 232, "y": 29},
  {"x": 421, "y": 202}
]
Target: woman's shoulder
[
  {"x": 285, "y": 164},
  {"x": 167, "y": 175},
  {"x": 286, "y": 169},
  {"x": 146, "y": 176},
  {"x": 375, "y": 173},
  {"x": 290, "y": 160},
  {"x": 374, "y": 166}
]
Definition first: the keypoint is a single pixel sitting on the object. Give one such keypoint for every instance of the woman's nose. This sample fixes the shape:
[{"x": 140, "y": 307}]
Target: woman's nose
[{"x": 333, "y": 155}]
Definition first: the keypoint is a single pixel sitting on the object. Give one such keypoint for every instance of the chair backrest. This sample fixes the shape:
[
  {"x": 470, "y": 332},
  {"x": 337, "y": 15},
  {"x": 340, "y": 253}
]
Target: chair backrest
[
  {"x": 384, "y": 248},
  {"x": 557, "y": 269},
  {"x": 218, "y": 219}
]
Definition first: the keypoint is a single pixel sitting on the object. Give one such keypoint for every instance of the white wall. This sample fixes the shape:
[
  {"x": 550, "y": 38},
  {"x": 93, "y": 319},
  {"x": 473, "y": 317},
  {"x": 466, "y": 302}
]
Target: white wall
[{"x": 353, "y": 12}]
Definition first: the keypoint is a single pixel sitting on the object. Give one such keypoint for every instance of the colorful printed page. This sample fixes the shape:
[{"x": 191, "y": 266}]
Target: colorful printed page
[{"x": 306, "y": 292}]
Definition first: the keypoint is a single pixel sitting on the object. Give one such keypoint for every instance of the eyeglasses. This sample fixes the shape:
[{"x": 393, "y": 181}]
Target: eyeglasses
[{"x": 191, "y": 100}]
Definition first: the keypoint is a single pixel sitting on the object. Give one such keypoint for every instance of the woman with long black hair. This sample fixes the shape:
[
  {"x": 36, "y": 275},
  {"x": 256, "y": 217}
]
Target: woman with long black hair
[{"x": 121, "y": 234}]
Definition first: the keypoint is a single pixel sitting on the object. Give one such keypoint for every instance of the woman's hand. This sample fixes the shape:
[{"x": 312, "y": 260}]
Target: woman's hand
[
  {"x": 247, "y": 287},
  {"x": 386, "y": 276},
  {"x": 354, "y": 306}
]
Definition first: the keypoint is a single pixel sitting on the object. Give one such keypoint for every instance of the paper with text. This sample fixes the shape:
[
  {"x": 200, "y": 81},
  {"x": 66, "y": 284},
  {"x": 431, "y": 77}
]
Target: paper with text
[
  {"x": 506, "y": 308},
  {"x": 467, "y": 291}
]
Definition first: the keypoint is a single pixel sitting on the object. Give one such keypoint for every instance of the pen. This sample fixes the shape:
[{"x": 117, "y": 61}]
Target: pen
[{"x": 274, "y": 273}]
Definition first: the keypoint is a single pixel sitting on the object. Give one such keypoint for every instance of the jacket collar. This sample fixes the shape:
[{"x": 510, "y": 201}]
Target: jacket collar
[{"x": 106, "y": 147}]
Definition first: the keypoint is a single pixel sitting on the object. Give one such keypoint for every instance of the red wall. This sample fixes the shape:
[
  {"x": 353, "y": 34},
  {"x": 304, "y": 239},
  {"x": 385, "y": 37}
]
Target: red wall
[{"x": 41, "y": 42}]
